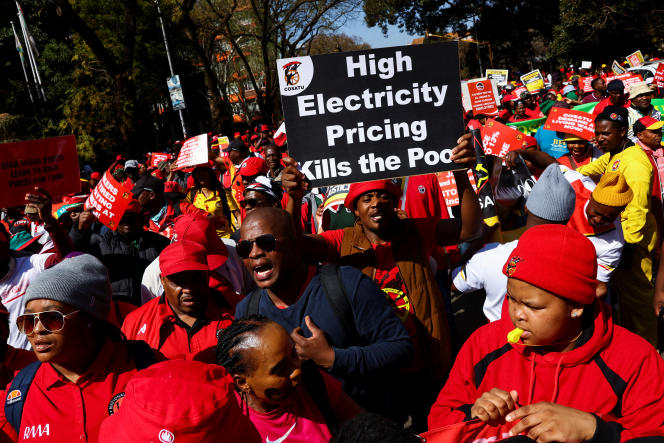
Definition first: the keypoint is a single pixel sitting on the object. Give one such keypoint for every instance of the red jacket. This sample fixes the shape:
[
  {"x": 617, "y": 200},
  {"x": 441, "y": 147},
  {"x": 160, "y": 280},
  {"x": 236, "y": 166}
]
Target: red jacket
[
  {"x": 613, "y": 374},
  {"x": 157, "y": 325}
]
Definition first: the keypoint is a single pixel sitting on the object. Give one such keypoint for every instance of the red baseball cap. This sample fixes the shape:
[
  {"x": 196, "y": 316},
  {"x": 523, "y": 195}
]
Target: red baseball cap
[
  {"x": 357, "y": 189},
  {"x": 179, "y": 401},
  {"x": 96, "y": 175},
  {"x": 557, "y": 259},
  {"x": 253, "y": 166},
  {"x": 182, "y": 256},
  {"x": 199, "y": 229}
]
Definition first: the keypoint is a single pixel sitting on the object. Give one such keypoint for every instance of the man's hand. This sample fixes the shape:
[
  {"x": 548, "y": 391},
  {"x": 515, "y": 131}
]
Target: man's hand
[
  {"x": 548, "y": 422},
  {"x": 494, "y": 405},
  {"x": 85, "y": 220},
  {"x": 464, "y": 153},
  {"x": 41, "y": 199},
  {"x": 292, "y": 180},
  {"x": 316, "y": 347},
  {"x": 511, "y": 158}
]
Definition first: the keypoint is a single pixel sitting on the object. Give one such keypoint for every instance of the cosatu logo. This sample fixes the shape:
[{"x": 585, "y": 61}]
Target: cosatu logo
[
  {"x": 291, "y": 75},
  {"x": 296, "y": 74}
]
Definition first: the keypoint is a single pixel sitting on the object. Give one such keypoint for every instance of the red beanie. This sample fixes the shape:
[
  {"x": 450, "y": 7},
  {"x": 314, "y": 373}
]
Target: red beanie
[
  {"x": 179, "y": 401},
  {"x": 557, "y": 259},
  {"x": 357, "y": 189}
]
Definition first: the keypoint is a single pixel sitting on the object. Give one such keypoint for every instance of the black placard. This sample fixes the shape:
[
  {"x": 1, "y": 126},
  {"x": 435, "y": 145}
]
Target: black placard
[{"x": 374, "y": 114}]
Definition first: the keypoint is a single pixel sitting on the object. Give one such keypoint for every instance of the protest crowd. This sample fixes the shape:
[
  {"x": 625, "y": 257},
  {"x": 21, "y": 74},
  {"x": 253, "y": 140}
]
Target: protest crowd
[{"x": 214, "y": 292}]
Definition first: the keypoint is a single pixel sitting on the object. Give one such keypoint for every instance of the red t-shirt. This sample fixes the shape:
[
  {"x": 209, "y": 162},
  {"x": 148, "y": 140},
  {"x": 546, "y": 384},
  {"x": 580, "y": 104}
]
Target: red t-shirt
[{"x": 599, "y": 107}]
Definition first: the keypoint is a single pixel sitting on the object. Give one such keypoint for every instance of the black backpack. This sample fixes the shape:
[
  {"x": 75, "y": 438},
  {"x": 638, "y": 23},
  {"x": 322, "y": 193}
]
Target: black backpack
[{"x": 139, "y": 351}]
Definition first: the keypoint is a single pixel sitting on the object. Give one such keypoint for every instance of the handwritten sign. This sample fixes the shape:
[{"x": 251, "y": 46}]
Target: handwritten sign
[
  {"x": 50, "y": 163},
  {"x": 499, "y": 139},
  {"x": 194, "y": 152},
  {"x": 571, "y": 122},
  {"x": 108, "y": 201}
]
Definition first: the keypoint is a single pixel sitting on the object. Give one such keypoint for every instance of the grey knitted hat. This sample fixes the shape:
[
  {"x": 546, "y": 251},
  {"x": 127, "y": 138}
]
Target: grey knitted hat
[
  {"x": 80, "y": 281},
  {"x": 552, "y": 198}
]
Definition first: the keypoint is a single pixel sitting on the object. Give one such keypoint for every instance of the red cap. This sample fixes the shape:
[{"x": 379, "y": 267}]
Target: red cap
[
  {"x": 264, "y": 128},
  {"x": 236, "y": 135},
  {"x": 357, "y": 189},
  {"x": 96, "y": 175},
  {"x": 182, "y": 256},
  {"x": 557, "y": 259},
  {"x": 179, "y": 401},
  {"x": 244, "y": 138},
  {"x": 199, "y": 229},
  {"x": 505, "y": 114},
  {"x": 253, "y": 166}
]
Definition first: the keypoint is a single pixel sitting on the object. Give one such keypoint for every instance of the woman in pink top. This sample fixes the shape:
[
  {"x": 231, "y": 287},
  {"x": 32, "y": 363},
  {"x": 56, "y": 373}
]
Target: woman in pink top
[{"x": 285, "y": 399}]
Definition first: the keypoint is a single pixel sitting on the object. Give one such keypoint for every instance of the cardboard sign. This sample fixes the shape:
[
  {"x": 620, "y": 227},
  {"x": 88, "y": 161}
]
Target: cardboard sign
[
  {"x": 659, "y": 76},
  {"x": 49, "y": 163},
  {"x": 108, "y": 201},
  {"x": 483, "y": 96},
  {"x": 635, "y": 59},
  {"x": 627, "y": 79},
  {"x": 499, "y": 139},
  {"x": 533, "y": 81},
  {"x": 586, "y": 65},
  {"x": 158, "y": 157},
  {"x": 617, "y": 69},
  {"x": 571, "y": 122},
  {"x": 373, "y": 114},
  {"x": 585, "y": 84},
  {"x": 499, "y": 75},
  {"x": 194, "y": 152}
]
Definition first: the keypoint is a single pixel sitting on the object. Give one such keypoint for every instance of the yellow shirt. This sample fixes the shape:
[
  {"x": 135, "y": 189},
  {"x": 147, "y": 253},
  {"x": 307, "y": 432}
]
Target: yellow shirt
[
  {"x": 214, "y": 206},
  {"x": 637, "y": 220}
]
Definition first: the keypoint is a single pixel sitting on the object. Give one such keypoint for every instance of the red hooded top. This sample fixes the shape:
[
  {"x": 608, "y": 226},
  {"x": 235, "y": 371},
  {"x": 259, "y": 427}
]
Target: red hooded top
[{"x": 612, "y": 373}]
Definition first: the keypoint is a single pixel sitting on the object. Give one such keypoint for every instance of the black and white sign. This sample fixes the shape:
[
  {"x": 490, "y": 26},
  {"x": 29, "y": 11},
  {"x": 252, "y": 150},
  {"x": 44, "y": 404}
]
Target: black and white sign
[{"x": 373, "y": 114}]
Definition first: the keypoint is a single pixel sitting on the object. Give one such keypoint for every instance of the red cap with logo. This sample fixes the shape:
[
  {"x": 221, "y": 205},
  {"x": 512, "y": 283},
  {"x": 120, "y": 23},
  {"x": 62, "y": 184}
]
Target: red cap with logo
[
  {"x": 557, "y": 259},
  {"x": 199, "y": 229},
  {"x": 253, "y": 166},
  {"x": 357, "y": 189},
  {"x": 182, "y": 256},
  {"x": 178, "y": 401}
]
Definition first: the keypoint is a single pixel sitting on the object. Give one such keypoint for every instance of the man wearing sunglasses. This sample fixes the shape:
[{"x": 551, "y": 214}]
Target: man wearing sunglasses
[{"x": 364, "y": 351}]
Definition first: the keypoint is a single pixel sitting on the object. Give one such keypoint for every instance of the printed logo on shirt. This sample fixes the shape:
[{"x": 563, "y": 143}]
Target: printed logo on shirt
[
  {"x": 114, "y": 404},
  {"x": 143, "y": 329},
  {"x": 421, "y": 189},
  {"x": 283, "y": 437},
  {"x": 511, "y": 265},
  {"x": 13, "y": 396},
  {"x": 400, "y": 303},
  {"x": 36, "y": 431},
  {"x": 615, "y": 165},
  {"x": 166, "y": 436}
]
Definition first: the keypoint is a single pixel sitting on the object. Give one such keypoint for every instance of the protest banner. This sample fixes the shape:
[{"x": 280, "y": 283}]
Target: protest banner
[
  {"x": 659, "y": 76},
  {"x": 158, "y": 157},
  {"x": 572, "y": 122},
  {"x": 482, "y": 95},
  {"x": 194, "y": 152},
  {"x": 108, "y": 201},
  {"x": 533, "y": 81},
  {"x": 617, "y": 69},
  {"x": 585, "y": 84},
  {"x": 627, "y": 79},
  {"x": 49, "y": 163},
  {"x": 528, "y": 126},
  {"x": 373, "y": 114},
  {"x": 635, "y": 59},
  {"x": 499, "y": 139},
  {"x": 586, "y": 65},
  {"x": 586, "y": 107},
  {"x": 499, "y": 75},
  {"x": 448, "y": 187}
]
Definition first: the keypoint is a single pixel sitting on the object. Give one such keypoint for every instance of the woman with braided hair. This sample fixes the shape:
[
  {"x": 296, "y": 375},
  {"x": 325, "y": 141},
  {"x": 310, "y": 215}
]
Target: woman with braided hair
[{"x": 283, "y": 397}]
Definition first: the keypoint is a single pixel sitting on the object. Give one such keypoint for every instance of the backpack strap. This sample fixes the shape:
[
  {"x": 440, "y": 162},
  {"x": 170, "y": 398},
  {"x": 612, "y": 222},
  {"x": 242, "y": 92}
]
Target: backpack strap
[
  {"x": 141, "y": 353},
  {"x": 333, "y": 287},
  {"x": 254, "y": 302},
  {"x": 17, "y": 393},
  {"x": 313, "y": 383}
]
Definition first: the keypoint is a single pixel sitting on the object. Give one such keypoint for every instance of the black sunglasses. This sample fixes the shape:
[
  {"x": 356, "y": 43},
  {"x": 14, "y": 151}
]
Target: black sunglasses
[
  {"x": 267, "y": 242},
  {"x": 249, "y": 203}
]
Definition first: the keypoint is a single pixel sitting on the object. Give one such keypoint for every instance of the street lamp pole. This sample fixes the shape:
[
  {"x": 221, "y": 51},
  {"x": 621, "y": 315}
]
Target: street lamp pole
[{"x": 170, "y": 64}]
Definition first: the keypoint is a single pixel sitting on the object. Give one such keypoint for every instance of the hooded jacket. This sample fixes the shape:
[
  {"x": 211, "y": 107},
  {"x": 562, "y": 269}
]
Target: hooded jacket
[{"x": 612, "y": 373}]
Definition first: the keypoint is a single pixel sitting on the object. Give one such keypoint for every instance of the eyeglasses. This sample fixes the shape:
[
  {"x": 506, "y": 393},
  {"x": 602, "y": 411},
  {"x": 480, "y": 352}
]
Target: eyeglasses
[
  {"x": 52, "y": 321},
  {"x": 266, "y": 242},
  {"x": 249, "y": 203}
]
